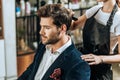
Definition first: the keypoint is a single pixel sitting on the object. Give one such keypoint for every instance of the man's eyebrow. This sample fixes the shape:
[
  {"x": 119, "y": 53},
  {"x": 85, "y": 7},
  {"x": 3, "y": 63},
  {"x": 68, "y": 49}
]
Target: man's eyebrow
[{"x": 45, "y": 26}]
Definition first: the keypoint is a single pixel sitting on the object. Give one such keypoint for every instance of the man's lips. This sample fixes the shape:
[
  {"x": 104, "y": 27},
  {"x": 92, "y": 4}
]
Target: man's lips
[{"x": 43, "y": 37}]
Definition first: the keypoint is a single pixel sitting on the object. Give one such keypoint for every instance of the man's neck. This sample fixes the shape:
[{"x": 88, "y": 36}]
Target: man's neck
[{"x": 59, "y": 44}]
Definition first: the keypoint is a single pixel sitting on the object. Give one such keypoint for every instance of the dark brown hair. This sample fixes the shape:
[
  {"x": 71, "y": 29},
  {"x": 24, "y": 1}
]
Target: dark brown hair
[{"x": 58, "y": 13}]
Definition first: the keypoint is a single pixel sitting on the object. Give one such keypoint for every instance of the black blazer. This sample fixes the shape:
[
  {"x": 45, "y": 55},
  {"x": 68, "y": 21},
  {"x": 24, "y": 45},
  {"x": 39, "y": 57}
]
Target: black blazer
[{"x": 70, "y": 63}]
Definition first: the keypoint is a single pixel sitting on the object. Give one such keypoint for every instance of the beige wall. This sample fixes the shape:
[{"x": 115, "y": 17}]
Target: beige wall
[{"x": 116, "y": 71}]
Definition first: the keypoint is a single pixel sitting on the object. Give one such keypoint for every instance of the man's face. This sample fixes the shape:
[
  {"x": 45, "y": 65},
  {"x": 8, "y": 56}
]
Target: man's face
[{"x": 49, "y": 32}]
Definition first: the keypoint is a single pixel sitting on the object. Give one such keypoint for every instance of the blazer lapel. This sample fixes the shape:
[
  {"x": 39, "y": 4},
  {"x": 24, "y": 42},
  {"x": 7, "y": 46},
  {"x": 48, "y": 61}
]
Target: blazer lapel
[
  {"x": 39, "y": 56},
  {"x": 57, "y": 63}
]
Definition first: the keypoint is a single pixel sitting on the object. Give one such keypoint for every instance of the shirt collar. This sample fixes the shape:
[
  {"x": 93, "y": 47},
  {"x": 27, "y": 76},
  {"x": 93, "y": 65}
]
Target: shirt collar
[{"x": 61, "y": 49}]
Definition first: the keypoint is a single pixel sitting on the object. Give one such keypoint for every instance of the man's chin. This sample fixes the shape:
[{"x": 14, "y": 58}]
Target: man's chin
[{"x": 43, "y": 42}]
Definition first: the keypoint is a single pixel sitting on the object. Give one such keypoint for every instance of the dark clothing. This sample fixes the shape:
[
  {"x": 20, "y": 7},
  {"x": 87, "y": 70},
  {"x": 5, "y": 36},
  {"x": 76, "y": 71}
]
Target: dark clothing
[
  {"x": 69, "y": 61},
  {"x": 96, "y": 40}
]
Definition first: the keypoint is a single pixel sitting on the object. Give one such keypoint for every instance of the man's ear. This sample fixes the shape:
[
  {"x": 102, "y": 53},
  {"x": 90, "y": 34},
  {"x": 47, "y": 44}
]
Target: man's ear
[{"x": 63, "y": 28}]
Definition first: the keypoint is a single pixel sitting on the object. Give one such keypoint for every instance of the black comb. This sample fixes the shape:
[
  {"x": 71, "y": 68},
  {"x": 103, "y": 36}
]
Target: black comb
[{"x": 74, "y": 18}]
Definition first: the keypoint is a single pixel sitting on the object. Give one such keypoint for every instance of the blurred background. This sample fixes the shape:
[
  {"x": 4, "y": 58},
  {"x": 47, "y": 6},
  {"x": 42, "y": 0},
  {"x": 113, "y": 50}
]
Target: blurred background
[{"x": 19, "y": 33}]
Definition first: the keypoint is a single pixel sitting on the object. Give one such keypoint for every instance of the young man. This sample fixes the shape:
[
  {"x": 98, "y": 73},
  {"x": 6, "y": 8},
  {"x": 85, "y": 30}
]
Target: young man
[{"x": 56, "y": 58}]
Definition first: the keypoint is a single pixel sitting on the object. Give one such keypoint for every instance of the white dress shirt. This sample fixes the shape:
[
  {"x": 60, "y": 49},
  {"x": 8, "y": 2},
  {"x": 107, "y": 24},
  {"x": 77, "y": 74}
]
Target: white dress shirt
[{"x": 48, "y": 59}]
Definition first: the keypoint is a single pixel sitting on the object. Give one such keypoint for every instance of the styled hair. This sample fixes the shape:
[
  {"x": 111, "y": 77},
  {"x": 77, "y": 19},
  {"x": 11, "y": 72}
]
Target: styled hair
[{"x": 58, "y": 13}]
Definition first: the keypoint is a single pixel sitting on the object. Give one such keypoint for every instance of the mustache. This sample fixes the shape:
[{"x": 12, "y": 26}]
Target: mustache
[{"x": 43, "y": 36}]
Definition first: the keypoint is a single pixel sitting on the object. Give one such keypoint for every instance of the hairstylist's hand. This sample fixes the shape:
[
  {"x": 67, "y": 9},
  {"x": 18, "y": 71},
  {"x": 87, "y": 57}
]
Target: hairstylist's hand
[
  {"x": 73, "y": 27},
  {"x": 92, "y": 59},
  {"x": 71, "y": 12}
]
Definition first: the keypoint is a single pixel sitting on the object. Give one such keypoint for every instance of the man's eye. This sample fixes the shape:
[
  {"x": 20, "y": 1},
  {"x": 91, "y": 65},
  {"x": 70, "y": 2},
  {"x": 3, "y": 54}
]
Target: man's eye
[{"x": 47, "y": 27}]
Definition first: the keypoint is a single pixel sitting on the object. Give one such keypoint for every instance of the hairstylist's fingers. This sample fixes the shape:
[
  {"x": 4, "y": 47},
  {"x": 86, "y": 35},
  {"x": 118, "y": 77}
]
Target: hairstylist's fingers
[
  {"x": 87, "y": 56},
  {"x": 92, "y": 63},
  {"x": 89, "y": 60},
  {"x": 71, "y": 12},
  {"x": 72, "y": 25}
]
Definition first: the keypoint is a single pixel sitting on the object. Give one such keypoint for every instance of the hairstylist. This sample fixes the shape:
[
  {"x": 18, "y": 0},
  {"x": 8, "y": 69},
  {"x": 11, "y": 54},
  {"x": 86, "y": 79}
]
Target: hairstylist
[{"x": 101, "y": 38}]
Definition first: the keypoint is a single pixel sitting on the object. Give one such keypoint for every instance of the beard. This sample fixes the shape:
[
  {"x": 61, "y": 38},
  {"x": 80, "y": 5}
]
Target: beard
[{"x": 52, "y": 39}]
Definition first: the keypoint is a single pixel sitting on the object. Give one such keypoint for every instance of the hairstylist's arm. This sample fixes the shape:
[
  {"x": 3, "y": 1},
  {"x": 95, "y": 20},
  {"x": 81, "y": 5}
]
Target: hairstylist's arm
[
  {"x": 78, "y": 23},
  {"x": 94, "y": 59},
  {"x": 112, "y": 58}
]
